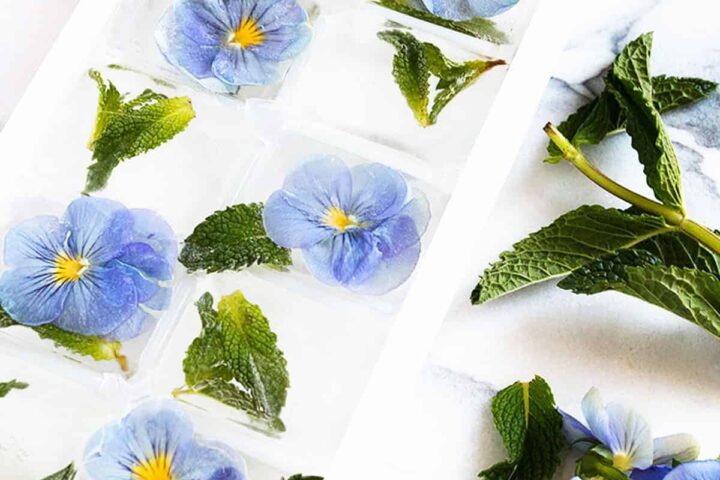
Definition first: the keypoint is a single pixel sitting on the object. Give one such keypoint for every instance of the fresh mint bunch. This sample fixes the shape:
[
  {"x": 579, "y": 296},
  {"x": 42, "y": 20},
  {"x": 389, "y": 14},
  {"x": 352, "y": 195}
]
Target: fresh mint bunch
[
  {"x": 236, "y": 361},
  {"x": 90, "y": 346},
  {"x": 414, "y": 64},
  {"x": 477, "y": 27},
  {"x": 125, "y": 128},
  {"x": 651, "y": 251}
]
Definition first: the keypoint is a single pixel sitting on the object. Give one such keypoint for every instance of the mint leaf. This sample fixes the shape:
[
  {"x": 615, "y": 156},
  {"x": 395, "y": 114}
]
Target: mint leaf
[
  {"x": 6, "y": 387},
  {"x": 630, "y": 84},
  {"x": 94, "y": 347},
  {"x": 689, "y": 293},
  {"x": 573, "y": 240},
  {"x": 304, "y": 477},
  {"x": 593, "y": 466},
  {"x": 602, "y": 116},
  {"x": 124, "y": 129},
  {"x": 477, "y": 27},
  {"x": 682, "y": 251},
  {"x": 232, "y": 239},
  {"x": 411, "y": 72},
  {"x": 236, "y": 361},
  {"x": 68, "y": 473},
  {"x": 531, "y": 428}
]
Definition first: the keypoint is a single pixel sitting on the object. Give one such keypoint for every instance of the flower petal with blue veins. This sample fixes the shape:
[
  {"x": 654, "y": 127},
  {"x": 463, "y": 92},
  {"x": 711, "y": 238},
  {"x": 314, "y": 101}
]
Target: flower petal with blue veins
[
  {"x": 100, "y": 228},
  {"x": 284, "y": 42},
  {"x": 151, "y": 228},
  {"x": 240, "y": 66},
  {"x": 706, "y": 470},
  {"x": 37, "y": 242},
  {"x": 680, "y": 447},
  {"x": 346, "y": 259},
  {"x": 208, "y": 460},
  {"x": 31, "y": 295},
  {"x": 290, "y": 227},
  {"x": 390, "y": 272},
  {"x": 379, "y": 192}
]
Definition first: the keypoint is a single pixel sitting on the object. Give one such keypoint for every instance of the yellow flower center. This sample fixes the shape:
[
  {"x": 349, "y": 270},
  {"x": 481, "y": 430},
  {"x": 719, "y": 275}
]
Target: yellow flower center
[
  {"x": 248, "y": 34},
  {"x": 69, "y": 269},
  {"x": 622, "y": 461},
  {"x": 340, "y": 221},
  {"x": 157, "y": 468}
]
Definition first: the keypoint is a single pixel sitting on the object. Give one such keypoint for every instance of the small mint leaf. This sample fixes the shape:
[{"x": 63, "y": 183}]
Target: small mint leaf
[
  {"x": 232, "y": 239},
  {"x": 236, "y": 361},
  {"x": 6, "y": 387},
  {"x": 299, "y": 476},
  {"x": 670, "y": 93},
  {"x": 125, "y": 129},
  {"x": 531, "y": 428},
  {"x": 67, "y": 473}
]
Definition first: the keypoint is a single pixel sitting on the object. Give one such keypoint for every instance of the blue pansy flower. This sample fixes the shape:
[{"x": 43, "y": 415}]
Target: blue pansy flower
[
  {"x": 705, "y": 470},
  {"x": 226, "y": 44},
  {"x": 627, "y": 436},
  {"x": 156, "y": 442},
  {"x": 357, "y": 227},
  {"x": 467, "y": 9},
  {"x": 97, "y": 271}
]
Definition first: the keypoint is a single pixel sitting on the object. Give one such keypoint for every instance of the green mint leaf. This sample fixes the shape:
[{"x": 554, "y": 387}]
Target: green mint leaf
[
  {"x": 689, "y": 293},
  {"x": 676, "y": 249},
  {"x": 602, "y": 116},
  {"x": 6, "y": 387},
  {"x": 531, "y": 428},
  {"x": 94, "y": 347},
  {"x": 232, "y": 239},
  {"x": 477, "y": 27},
  {"x": 573, "y": 240},
  {"x": 124, "y": 129},
  {"x": 67, "y": 473},
  {"x": 304, "y": 477},
  {"x": 629, "y": 82},
  {"x": 593, "y": 466},
  {"x": 236, "y": 361},
  {"x": 411, "y": 72}
]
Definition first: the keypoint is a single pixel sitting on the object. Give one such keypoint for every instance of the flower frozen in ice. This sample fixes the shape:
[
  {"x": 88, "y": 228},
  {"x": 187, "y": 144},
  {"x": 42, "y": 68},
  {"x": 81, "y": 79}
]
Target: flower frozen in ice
[
  {"x": 156, "y": 442},
  {"x": 627, "y": 436},
  {"x": 96, "y": 271},
  {"x": 467, "y": 9},
  {"x": 226, "y": 44},
  {"x": 359, "y": 228}
]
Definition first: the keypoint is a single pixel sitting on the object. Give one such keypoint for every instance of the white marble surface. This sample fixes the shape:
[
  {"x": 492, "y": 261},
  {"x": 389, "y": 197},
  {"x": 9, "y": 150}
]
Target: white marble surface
[{"x": 661, "y": 364}]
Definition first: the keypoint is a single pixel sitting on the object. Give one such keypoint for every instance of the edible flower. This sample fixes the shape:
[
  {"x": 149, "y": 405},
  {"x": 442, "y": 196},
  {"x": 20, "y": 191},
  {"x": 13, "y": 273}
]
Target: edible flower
[
  {"x": 97, "y": 271},
  {"x": 358, "y": 227},
  {"x": 704, "y": 470},
  {"x": 226, "y": 44},
  {"x": 156, "y": 442},
  {"x": 627, "y": 436},
  {"x": 460, "y": 10}
]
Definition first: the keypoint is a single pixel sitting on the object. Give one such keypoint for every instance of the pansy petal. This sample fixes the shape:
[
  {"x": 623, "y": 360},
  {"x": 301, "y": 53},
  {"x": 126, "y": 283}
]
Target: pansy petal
[
  {"x": 142, "y": 257},
  {"x": 379, "y": 192},
  {"x": 681, "y": 447},
  {"x": 208, "y": 460},
  {"x": 594, "y": 411},
  {"x": 450, "y": 9},
  {"x": 132, "y": 327},
  {"x": 630, "y": 435},
  {"x": 574, "y": 430},
  {"x": 240, "y": 66},
  {"x": 419, "y": 210},
  {"x": 37, "y": 241},
  {"x": 289, "y": 227},
  {"x": 158, "y": 427},
  {"x": 275, "y": 13},
  {"x": 284, "y": 42},
  {"x": 491, "y": 8},
  {"x": 99, "y": 302},
  {"x": 151, "y": 228},
  {"x": 347, "y": 259},
  {"x": 318, "y": 184},
  {"x": 652, "y": 473},
  {"x": 395, "y": 235},
  {"x": 160, "y": 301},
  {"x": 145, "y": 288},
  {"x": 31, "y": 296},
  {"x": 706, "y": 470},
  {"x": 390, "y": 273},
  {"x": 100, "y": 228},
  {"x": 213, "y": 13}
]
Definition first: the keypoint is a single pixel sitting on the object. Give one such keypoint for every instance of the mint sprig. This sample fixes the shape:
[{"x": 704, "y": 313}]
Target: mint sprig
[
  {"x": 413, "y": 65},
  {"x": 532, "y": 431},
  {"x": 232, "y": 239},
  {"x": 67, "y": 473},
  {"x": 653, "y": 251},
  {"x": 7, "y": 387},
  {"x": 236, "y": 361},
  {"x": 477, "y": 27},
  {"x": 125, "y": 128}
]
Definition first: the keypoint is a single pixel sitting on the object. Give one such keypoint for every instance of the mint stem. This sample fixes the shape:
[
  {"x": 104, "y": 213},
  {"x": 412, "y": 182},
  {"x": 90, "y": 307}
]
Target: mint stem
[{"x": 674, "y": 217}]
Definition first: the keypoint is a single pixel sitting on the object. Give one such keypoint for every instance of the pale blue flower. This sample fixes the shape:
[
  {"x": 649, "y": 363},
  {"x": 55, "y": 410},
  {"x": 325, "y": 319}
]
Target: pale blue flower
[
  {"x": 226, "y": 44},
  {"x": 359, "y": 228},
  {"x": 156, "y": 442},
  {"x": 467, "y": 9},
  {"x": 96, "y": 271},
  {"x": 706, "y": 470},
  {"x": 626, "y": 435}
]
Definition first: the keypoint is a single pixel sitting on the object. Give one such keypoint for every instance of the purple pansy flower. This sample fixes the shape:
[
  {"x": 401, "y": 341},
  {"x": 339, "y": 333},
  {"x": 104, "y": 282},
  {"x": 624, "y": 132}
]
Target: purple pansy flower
[
  {"x": 96, "y": 271},
  {"x": 467, "y": 9},
  {"x": 226, "y": 44},
  {"x": 156, "y": 442},
  {"x": 357, "y": 227}
]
